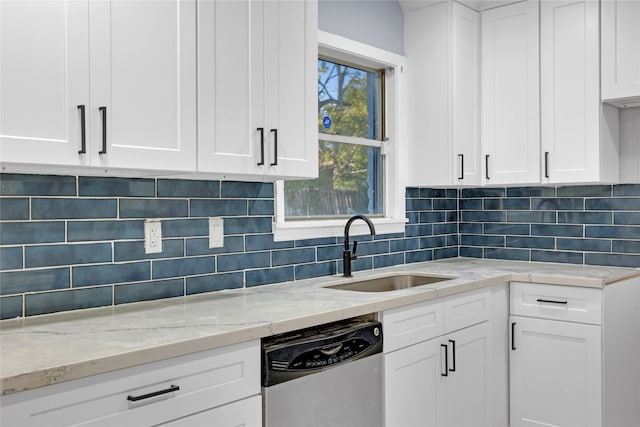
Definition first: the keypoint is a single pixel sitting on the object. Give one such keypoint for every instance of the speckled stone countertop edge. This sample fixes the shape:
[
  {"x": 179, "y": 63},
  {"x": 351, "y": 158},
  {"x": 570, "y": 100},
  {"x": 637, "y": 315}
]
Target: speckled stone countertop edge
[{"x": 49, "y": 349}]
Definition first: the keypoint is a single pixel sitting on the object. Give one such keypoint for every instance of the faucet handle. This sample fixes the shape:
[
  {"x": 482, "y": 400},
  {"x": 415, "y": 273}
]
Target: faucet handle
[{"x": 355, "y": 247}]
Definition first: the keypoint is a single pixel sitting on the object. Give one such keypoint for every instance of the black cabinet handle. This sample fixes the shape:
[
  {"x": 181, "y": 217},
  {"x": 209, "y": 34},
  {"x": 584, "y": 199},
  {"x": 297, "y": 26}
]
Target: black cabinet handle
[
  {"x": 275, "y": 147},
  {"x": 83, "y": 133},
  {"x": 261, "y": 130},
  {"x": 453, "y": 353},
  {"x": 446, "y": 360},
  {"x": 546, "y": 164},
  {"x": 513, "y": 335},
  {"x": 486, "y": 167},
  {"x": 172, "y": 388},
  {"x": 103, "y": 110},
  {"x": 461, "y": 157},
  {"x": 551, "y": 301}
]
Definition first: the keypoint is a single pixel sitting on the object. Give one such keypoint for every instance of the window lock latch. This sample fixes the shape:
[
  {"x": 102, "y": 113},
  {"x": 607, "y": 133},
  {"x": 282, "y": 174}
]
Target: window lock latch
[{"x": 384, "y": 147}]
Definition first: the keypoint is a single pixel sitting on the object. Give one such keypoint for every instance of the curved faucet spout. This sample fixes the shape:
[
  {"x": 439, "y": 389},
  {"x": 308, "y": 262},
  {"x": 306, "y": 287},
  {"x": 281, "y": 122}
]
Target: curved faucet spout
[
  {"x": 347, "y": 255},
  {"x": 347, "y": 226}
]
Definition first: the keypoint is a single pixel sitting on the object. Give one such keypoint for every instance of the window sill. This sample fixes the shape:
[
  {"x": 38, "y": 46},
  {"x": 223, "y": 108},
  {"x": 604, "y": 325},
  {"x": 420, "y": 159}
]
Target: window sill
[{"x": 298, "y": 230}]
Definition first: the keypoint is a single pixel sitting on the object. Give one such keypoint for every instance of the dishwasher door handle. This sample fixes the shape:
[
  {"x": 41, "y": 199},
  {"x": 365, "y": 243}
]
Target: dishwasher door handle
[{"x": 331, "y": 350}]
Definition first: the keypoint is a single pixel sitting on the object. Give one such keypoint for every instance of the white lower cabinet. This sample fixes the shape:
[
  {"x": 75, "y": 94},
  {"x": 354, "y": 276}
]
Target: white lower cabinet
[
  {"x": 466, "y": 383},
  {"x": 411, "y": 385},
  {"x": 428, "y": 382},
  {"x": 218, "y": 387},
  {"x": 574, "y": 355},
  {"x": 556, "y": 373}
]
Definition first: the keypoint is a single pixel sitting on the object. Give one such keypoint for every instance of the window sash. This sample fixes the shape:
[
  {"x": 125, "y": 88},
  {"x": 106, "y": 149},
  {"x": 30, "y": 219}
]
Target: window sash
[{"x": 350, "y": 140}]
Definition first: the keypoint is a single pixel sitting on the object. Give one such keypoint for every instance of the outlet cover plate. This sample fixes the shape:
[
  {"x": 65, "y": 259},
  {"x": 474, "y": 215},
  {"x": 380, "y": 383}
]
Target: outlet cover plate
[
  {"x": 216, "y": 232},
  {"x": 152, "y": 236}
]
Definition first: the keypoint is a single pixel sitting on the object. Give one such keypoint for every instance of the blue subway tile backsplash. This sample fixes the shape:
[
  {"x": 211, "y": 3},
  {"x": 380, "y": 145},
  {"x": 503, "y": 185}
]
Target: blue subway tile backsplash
[
  {"x": 14, "y": 208},
  {"x": 37, "y": 185},
  {"x": 64, "y": 208},
  {"x": 110, "y": 273},
  {"x": 183, "y": 188},
  {"x": 24, "y": 233},
  {"x": 50, "y": 255},
  {"x": 585, "y": 224},
  {"x": 115, "y": 187},
  {"x": 73, "y": 299},
  {"x": 69, "y": 242}
]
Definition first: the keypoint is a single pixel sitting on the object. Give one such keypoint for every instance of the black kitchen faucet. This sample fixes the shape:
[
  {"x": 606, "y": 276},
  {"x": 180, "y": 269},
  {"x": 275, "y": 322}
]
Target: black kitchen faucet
[{"x": 347, "y": 255}]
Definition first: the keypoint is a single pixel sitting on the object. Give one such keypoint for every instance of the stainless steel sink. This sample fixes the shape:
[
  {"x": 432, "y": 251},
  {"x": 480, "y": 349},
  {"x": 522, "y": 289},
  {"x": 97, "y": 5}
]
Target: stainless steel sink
[{"x": 390, "y": 283}]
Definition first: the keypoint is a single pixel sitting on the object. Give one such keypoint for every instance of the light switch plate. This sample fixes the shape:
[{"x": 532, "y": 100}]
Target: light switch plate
[
  {"x": 216, "y": 232},
  {"x": 152, "y": 236}
]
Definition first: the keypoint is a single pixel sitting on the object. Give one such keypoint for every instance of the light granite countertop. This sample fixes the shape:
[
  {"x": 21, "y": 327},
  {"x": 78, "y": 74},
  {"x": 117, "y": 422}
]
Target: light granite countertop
[{"x": 48, "y": 349}]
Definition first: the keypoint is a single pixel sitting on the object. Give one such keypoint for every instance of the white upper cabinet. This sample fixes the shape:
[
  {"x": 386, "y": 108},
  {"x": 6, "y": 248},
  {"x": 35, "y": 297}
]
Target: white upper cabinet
[
  {"x": 257, "y": 77},
  {"x": 143, "y": 68},
  {"x": 442, "y": 49},
  {"x": 230, "y": 85},
  {"x": 511, "y": 94},
  {"x": 44, "y": 81},
  {"x": 621, "y": 52},
  {"x": 577, "y": 133},
  {"x": 466, "y": 94},
  {"x": 100, "y": 83}
]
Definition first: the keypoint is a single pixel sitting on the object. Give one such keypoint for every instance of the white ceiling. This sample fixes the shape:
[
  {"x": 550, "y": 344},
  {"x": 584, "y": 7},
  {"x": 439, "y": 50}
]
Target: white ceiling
[{"x": 408, "y": 5}]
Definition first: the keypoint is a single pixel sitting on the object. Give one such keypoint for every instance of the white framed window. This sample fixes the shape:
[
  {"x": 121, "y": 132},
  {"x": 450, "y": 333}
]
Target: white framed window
[{"x": 360, "y": 146}]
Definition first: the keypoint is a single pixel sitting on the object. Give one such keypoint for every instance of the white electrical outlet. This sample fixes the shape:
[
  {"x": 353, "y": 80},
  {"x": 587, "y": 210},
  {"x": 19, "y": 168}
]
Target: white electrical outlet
[
  {"x": 152, "y": 236},
  {"x": 216, "y": 232}
]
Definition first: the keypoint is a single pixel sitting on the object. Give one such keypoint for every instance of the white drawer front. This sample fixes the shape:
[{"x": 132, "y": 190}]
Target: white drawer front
[
  {"x": 568, "y": 303},
  {"x": 467, "y": 309},
  {"x": 244, "y": 413},
  {"x": 205, "y": 380},
  {"x": 404, "y": 326}
]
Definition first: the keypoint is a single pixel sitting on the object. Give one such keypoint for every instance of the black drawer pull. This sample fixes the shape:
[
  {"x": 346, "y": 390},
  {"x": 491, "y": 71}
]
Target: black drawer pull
[
  {"x": 461, "y": 157},
  {"x": 453, "y": 354},
  {"x": 551, "y": 301},
  {"x": 275, "y": 147},
  {"x": 103, "y": 110},
  {"x": 153, "y": 394},
  {"x": 261, "y": 130},
  {"x": 83, "y": 132},
  {"x": 446, "y": 360},
  {"x": 546, "y": 164},
  {"x": 486, "y": 167},
  {"x": 513, "y": 335}
]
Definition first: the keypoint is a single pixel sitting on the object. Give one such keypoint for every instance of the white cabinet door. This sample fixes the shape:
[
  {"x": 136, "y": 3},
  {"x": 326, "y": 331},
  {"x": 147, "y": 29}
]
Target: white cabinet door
[
  {"x": 465, "y": 388},
  {"x": 570, "y": 90},
  {"x": 44, "y": 77},
  {"x": 443, "y": 59},
  {"x": 231, "y": 113},
  {"x": 412, "y": 385},
  {"x": 257, "y": 78},
  {"x": 143, "y": 67},
  {"x": 620, "y": 49},
  {"x": 291, "y": 59},
  {"x": 465, "y": 100},
  {"x": 426, "y": 44},
  {"x": 511, "y": 94},
  {"x": 556, "y": 373}
]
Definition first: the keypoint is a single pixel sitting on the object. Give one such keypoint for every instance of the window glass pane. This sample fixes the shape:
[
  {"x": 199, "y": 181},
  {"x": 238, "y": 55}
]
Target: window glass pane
[
  {"x": 350, "y": 182},
  {"x": 348, "y": 100}
]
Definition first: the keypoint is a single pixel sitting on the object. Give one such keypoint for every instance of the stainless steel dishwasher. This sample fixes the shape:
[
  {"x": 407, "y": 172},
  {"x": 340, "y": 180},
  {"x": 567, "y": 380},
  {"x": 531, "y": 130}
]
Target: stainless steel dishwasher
[{"x": 326, "y": 376}]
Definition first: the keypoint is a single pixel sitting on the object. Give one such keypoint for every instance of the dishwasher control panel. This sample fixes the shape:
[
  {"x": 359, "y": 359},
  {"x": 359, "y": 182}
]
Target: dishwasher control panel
[{"x": 295, "y": 354}]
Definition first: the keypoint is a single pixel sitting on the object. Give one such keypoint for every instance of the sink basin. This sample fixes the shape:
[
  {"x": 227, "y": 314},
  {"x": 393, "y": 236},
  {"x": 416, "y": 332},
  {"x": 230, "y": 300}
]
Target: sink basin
[{"x": 390, "y": 283}]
